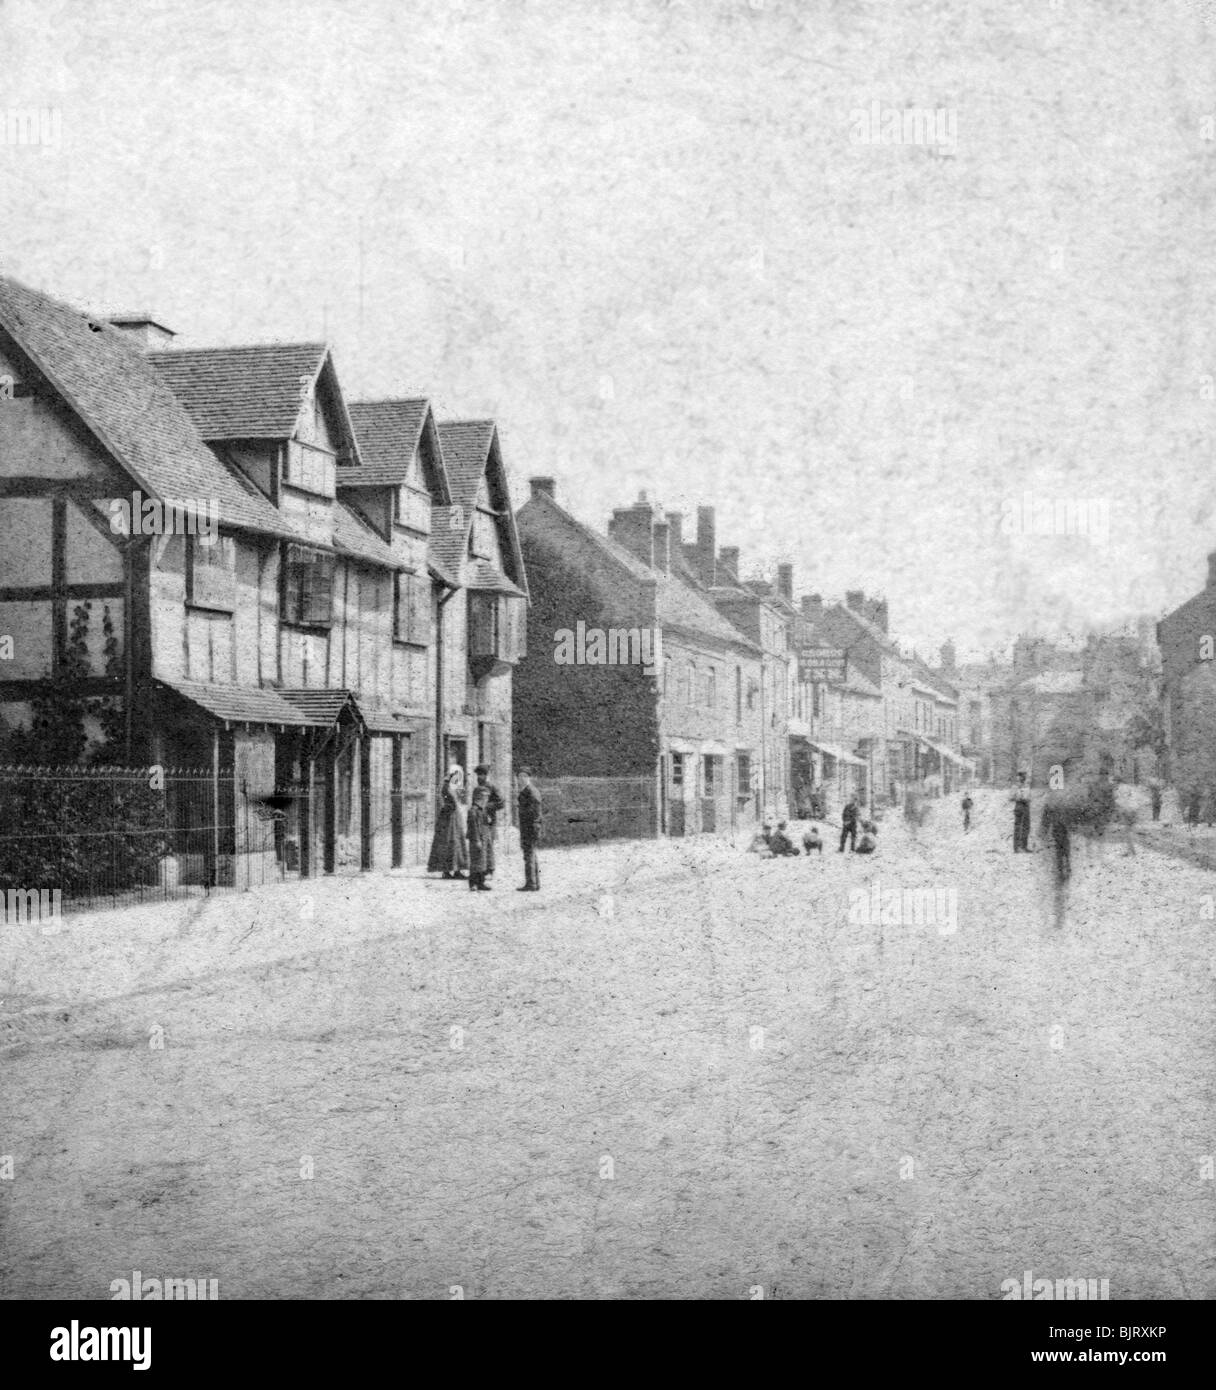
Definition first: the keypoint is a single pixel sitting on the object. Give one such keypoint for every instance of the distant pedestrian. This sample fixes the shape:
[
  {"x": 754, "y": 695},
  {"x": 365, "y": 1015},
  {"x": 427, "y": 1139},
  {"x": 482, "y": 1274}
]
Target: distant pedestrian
[
  {"x": 848, "y": 825},
  {"x": 1021, "y": 815},
  {"x": 449, "y": 852},
  {"x": 1193, "y": 802},
  {"x": 1056, "y": 822},
  {"x": 528, "y": 801},
  {"x": 480, "y": 835},
  {"x": 812, "y": 843},
  {"x": 1154, "y": 796},
  {"x": 967, "y": 805},
  {"x": 780, "y": 843},
  {"x": 760, "y": 843}
]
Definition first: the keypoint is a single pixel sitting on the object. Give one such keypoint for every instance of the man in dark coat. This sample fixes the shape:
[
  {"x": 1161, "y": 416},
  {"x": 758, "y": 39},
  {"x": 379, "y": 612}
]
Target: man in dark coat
[
  {"x": 1021, "y": 816},
  {"x": 494, "y": 804},
  {"x": 848, "y": 825},
  {"x": 481, "y": 841},
  {"x": 529, "y": 829}
]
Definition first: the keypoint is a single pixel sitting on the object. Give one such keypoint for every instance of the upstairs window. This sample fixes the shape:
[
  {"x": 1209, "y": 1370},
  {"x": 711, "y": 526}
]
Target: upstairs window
[
  {"x": 211, "y": 573},
  {"x": 497, "y": 627},
  {"x": 308, "y": 587},
  {"x": 310, "y": 469},
  {"x": 412, "y": 610}
]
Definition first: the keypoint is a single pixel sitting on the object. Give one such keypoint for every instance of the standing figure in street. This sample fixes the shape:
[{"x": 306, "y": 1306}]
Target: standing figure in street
[
  {"x": 449, "y": 853},
  {"x": 480, "y": 834},
  {"x": 967, "y": 805},
  {"x": 1055, "y": 822},
  {"x": 1154, "y": 794},
  {"x": 1021, "y": 815},
  {"x": 529, "y": 829},
  {"x": 848, "y": 825},
  {"x": 1193, "y": 802},
  {"x": 494, "y": 804}
]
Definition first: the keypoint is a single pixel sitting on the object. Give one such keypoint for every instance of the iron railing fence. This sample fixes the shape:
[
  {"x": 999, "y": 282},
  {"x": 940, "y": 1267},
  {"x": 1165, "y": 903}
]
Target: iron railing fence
[{"x": 119, "y": 835}]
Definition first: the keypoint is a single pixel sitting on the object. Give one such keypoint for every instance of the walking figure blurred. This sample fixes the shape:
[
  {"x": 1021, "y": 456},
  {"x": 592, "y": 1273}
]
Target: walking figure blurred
[
  {"x": 1021, "y": 815},
  {"x": 967, "y": 805}
]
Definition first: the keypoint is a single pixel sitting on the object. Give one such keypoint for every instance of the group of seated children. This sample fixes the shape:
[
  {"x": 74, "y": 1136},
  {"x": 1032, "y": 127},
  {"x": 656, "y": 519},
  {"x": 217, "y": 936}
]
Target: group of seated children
[{"x": 775, "y": 844}]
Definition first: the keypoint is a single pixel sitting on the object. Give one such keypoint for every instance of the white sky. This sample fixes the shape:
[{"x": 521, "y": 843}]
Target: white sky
[{"x": 640, "y": 235}]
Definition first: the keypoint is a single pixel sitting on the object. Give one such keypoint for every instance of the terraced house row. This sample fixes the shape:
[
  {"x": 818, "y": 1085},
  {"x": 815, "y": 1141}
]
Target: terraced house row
[{"x": 352, "y": 625}]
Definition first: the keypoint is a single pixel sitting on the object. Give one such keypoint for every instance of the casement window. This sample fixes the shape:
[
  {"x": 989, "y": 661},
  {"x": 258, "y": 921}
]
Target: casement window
[
  {"x": 310, "y": 469},
  {"x": 211, "y": 573},
  {"x": 744, "y": 773},
  {"x": 677, "y": 769},
  {"x": 412, "y": 609},
  {"x": 308, "y": 586},
  {"x": 710, "y": 774},
  {"x": 711, "y": 688},
  {"x": 497, "y": 627}
]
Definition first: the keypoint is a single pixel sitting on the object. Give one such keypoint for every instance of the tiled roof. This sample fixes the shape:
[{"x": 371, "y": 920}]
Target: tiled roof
[
  {"x": 465, "y": 445},
  {"x": 483, "y": 576},
  {"x": 857, "y": 684},
  {"x": 321, "y": 704},
  {"x": 870, "y": 629},
  {"x": 383, "y": 719},
  {"x": 388, "y": 432},
  {"x": 129, "y": 407},
  {"x": 237, "y": 704},
  {"x": 241, "y": 392},
  {"x": 677, "y": 604},
  {"x": 353, "y": 536}
]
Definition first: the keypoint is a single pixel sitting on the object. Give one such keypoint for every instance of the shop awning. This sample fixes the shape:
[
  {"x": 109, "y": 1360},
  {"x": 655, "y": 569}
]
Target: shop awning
[
  {"x": 833, "y": 750},
  {"x": 943, "y": 752}
]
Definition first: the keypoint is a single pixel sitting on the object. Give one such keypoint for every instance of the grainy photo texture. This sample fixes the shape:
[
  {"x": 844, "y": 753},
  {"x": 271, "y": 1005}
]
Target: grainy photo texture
[{"x": 607, "y": 618}]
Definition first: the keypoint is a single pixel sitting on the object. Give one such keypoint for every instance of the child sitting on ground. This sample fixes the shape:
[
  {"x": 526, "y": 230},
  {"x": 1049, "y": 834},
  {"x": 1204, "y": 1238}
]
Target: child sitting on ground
[
  {"x": 811, "y": 842},
  {"x": 867, "y": 843},
  {"x": 781, "y": 843},
  {"x": 760, "y": 843}
]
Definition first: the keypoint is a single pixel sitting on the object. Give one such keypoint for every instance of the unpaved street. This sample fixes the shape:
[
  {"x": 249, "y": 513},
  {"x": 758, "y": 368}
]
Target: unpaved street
[{"x": 685, "y": 1086}]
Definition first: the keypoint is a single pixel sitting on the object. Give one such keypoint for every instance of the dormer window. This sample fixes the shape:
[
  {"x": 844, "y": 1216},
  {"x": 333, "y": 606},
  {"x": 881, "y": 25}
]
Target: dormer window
[
  {"x": 311, "y": 469},
  {"x": 412, "y": 508}
]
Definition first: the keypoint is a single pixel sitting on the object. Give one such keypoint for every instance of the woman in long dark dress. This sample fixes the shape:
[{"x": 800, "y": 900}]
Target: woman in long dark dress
[{"x": 449, "y": 852}]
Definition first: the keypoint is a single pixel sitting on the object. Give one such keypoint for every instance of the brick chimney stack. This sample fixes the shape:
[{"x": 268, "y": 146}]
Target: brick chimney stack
[
  {"x": 812, "y": 607},
  {"x": 543, "y": 487},
  {"x": 855, "y": 599},
  {"x": 949, "y": 657},
  {"x": 707, "y": 549},
  {"x": 785, "y": 582},
  {"x": 633, "y": 529},
  {"x": 728, "y": 560},
  {"x": 675, "y": 523},
  {"x": 662, "y": 546},
  {"x": 144, "y": 330}
]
